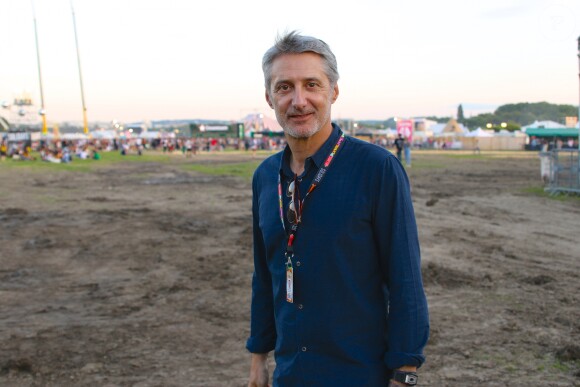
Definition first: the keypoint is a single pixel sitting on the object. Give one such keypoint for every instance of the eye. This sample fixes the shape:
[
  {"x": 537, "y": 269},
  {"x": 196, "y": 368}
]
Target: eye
[
  {"x": 311, "y": 84},
  {"x": 283, "y": 87}
]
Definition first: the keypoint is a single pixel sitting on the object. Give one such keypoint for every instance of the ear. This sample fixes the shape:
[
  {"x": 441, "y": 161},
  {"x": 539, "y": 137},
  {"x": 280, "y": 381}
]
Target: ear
[
  {"x": 335, "y": 93},
  {"x": 268, "y": 99}
]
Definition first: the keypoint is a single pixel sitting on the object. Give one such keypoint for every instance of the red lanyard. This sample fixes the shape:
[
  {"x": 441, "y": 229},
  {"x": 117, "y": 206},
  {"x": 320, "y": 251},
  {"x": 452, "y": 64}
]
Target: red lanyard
[{"x": 300, "y": 203}]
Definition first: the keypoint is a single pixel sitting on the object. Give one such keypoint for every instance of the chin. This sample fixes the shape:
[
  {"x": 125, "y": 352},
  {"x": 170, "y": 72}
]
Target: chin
[{"x": 302, "y": 132}]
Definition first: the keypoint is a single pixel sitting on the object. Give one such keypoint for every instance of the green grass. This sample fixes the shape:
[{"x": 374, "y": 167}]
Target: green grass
[
  {"x": 467, "y": 156},
  {"x": 539, "y": 191},
  {"x": 425, "y": 164},
  {"x": 78, "y": 165},
  {"x": 244, "y": 170}
]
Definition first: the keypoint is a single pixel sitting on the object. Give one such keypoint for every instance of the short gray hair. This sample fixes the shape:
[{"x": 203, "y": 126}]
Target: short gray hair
[{"x": 294, "y": 43}]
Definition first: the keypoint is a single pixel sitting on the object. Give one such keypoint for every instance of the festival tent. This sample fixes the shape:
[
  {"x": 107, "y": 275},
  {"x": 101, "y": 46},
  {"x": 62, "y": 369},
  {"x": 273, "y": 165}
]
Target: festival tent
[
  {"x": 546, "y": 132},
  {"x": 451, "y": 130},
  {"x": 543, "y": 124},
  {"x": 104, "y": 134},
  {"x": 386, "y": 132},
  {"x": 149, "y": 135},
  {"x": 478, "y": 133},
  {"x": 453, "y": 127},
  {"x": 436, "y": 128},
  {"x": 260, "y": 123},
  {"x": 73, "y": 136}
]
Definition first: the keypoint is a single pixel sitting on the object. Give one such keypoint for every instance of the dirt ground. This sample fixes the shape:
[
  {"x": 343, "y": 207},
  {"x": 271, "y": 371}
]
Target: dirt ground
[{"x": 138, "y": 274}]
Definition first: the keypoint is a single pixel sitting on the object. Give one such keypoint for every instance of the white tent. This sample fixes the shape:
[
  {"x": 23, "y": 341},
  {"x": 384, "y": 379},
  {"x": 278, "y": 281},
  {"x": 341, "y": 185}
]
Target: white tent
[
  {"x": 73, "y": 136},
  {"x": 149, "y": 135},
  {"x": 544, "y": 124},
  {"x": 479, "y": 133},
  {"x": 104, "y": 134}
]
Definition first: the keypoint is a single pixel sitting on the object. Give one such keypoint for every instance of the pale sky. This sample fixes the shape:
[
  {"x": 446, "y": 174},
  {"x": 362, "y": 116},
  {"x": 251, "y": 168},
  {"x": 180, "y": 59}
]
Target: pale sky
[{"x": 178, "y": 59}]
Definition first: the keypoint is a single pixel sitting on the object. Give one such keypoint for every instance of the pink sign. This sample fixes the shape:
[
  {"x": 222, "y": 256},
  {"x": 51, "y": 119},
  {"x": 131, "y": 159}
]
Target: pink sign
[{"x": 405, "y": 129}]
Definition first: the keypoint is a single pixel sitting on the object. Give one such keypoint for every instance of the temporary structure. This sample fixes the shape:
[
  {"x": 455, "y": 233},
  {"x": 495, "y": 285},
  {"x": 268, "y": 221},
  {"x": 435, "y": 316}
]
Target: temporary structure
[
  {"x": 478, "y": 133},
  {"x": 453, "y": 127}
]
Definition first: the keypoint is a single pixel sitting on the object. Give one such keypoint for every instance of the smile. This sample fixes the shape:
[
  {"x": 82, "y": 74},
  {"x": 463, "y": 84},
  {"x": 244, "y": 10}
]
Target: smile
[{"x": 300, "y": 116}]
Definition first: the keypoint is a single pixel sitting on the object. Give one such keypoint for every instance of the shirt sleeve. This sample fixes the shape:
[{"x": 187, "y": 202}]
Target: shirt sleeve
[
  {"x": 263, "y": 329},
  {"x": 396, "y": 232}
]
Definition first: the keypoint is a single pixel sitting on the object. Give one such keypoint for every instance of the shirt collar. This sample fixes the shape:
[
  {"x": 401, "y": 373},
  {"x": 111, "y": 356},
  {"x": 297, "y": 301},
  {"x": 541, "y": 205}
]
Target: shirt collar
[{"x": 318, "y": 158}]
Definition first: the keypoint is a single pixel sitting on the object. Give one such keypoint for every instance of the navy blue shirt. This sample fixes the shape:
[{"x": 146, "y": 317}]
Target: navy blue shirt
[{"x": 359, "y": 307}]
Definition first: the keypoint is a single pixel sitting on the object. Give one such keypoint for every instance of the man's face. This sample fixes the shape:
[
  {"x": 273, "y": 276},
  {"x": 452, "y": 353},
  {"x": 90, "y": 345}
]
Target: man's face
[{"x": 300, "y": 94}]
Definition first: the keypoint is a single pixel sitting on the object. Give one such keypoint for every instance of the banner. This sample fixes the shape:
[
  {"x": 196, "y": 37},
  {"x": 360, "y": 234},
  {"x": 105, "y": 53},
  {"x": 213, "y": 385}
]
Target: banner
[
  {"x": 18, "y": 136},
  {"x": 405, "y": 129}
]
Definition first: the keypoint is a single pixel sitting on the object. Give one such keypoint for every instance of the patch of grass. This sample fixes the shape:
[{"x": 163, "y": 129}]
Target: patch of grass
[
  {"x": 424, "y": 164},
  {"x": 558, "y": 365},
  {"x": 39, "y": 165},
  {"x": 116, "y": 157},
  {"x": 244, "y": 170},
  {"x": 548, "y": 363},
  {"x": 464, "y": 156},
  {"x": 87, "y": 165},
  {"x": 539, "y": 191}
]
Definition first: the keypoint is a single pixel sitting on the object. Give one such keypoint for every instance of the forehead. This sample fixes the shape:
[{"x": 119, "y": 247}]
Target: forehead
[{"x": 298, "y": 66}]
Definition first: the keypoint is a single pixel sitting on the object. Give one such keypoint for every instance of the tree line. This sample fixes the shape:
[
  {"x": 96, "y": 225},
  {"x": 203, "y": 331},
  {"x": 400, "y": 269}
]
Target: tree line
[{"x": 516, "y": 115}]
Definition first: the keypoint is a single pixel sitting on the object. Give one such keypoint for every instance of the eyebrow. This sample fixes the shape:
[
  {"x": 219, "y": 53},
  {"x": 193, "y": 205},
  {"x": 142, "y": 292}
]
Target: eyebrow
[{"x": 306, "y": 80}]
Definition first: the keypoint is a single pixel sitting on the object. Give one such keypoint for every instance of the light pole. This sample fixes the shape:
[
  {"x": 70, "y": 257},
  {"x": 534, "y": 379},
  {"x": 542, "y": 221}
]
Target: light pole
[
  {"x": 85, "y": 120},
  {"x": 579, "y": 105},
  {"x": 42, "y": 111}
]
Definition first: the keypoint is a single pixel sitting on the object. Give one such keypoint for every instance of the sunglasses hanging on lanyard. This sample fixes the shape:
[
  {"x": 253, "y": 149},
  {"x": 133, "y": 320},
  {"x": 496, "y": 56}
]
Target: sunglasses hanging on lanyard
[{"x": 294, "y": 214}]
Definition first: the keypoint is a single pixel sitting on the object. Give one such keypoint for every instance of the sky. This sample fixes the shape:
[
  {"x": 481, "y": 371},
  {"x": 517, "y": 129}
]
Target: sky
[{"x": 184, "y": 59}]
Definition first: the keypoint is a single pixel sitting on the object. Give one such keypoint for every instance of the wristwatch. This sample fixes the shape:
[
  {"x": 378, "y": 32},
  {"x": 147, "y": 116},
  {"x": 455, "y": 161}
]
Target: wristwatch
[{"x": 407, "y": 378}]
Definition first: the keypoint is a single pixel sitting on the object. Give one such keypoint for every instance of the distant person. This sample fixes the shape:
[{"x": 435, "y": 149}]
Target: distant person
[
  {"x": 336, "y": 291},
  {"x": 188, "y": 148},
  {"x": 399, "y": 144},
  {"x": 476, "y": 149},
  {"x": 124, "y": 148},
  {"x": 3, "y": 151},
  {"x": 407, "y": 148}
]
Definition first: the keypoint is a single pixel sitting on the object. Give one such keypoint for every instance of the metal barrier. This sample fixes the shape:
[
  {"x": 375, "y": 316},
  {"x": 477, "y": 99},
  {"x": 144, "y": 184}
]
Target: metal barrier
[{"x": 560, "y": 169}]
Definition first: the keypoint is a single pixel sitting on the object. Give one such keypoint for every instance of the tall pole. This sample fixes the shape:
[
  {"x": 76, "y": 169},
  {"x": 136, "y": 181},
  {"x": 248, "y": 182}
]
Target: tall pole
[
  {"x": 42, "y": 111},
  {"x": 579, "y": 105},
  {"x": 85, "y": 120},
  {"x": 578, "y": 181}
]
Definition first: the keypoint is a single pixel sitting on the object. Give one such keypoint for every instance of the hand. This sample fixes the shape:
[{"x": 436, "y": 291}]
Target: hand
[{"x": 259, "y": 370}]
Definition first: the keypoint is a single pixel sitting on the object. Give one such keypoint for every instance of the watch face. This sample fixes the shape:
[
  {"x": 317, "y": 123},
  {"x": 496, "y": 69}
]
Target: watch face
[{"x": 408, "y": 378}]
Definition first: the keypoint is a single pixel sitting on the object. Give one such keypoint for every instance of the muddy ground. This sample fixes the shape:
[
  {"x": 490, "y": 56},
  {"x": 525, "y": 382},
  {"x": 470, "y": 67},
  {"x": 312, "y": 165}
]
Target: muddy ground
[{"x": 138, "y": 274}]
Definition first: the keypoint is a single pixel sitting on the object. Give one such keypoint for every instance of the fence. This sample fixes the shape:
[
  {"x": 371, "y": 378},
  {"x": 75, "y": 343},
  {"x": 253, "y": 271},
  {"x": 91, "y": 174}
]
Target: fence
[{"x": 560, "y": 169}]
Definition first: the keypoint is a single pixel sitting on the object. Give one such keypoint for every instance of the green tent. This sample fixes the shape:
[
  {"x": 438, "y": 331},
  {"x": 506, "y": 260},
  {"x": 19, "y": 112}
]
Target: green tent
[{"x": 546, "y": 132}]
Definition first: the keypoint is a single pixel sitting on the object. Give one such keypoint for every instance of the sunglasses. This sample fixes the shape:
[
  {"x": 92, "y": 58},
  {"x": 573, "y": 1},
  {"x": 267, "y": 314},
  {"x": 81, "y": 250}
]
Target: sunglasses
[{"x": 293, "y": 214}]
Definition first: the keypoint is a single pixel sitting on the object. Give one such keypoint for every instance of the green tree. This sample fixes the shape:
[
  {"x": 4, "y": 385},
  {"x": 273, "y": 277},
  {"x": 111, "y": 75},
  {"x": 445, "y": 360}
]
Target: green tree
[{"x": 460, "y": 116}]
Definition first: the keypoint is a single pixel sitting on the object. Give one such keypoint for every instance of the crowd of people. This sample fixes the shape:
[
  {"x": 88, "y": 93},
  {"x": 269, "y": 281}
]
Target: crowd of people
[
  {"x": 54, "y": 152},
  {"x": 64, "y": 151},
  {"x": 67, "y": 150}
]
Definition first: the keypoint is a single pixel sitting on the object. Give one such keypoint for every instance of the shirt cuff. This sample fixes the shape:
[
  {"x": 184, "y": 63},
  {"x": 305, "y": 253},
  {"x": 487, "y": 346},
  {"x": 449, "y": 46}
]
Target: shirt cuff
[
  {"x": 255, "y": 345},
  {"x": 395, "y": 360}
]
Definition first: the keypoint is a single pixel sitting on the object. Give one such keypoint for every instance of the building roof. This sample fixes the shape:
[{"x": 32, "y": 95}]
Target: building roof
[{"x": 544, "y": 124}]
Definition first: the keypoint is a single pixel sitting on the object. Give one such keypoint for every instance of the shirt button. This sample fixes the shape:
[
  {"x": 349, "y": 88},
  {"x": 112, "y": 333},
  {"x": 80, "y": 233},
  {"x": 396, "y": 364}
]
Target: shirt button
[
  {"x": 304, "y": 349},
  {"x": 298, "y": 263},
  {"x": 300, "y": 306}
]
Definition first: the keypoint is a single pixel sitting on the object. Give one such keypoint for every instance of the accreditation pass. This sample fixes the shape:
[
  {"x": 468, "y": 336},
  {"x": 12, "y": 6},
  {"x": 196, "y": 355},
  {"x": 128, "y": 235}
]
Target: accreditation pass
[{"x": 289, "y": 281}]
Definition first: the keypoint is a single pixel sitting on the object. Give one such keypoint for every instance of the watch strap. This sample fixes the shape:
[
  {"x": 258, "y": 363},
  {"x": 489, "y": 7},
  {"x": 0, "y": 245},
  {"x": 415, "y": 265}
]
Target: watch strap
[{"x": 407, "y": 378}]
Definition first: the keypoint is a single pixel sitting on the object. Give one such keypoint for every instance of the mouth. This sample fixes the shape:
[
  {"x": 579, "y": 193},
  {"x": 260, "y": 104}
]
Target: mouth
[{"x": 300, "y": 117}]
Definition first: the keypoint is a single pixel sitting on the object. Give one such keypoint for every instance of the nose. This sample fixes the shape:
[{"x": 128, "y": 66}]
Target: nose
[{"x": 299, "y": 98}]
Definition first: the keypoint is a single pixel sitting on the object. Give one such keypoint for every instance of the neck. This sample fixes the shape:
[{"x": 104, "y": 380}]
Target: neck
[{"x": 302, "y": 148}]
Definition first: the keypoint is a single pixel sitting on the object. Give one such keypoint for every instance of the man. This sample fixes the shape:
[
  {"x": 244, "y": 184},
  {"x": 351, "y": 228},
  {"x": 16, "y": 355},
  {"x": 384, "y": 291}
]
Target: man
[
  {"x": 336, "y": 290},
  {"x": 399, "y": 143}
]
